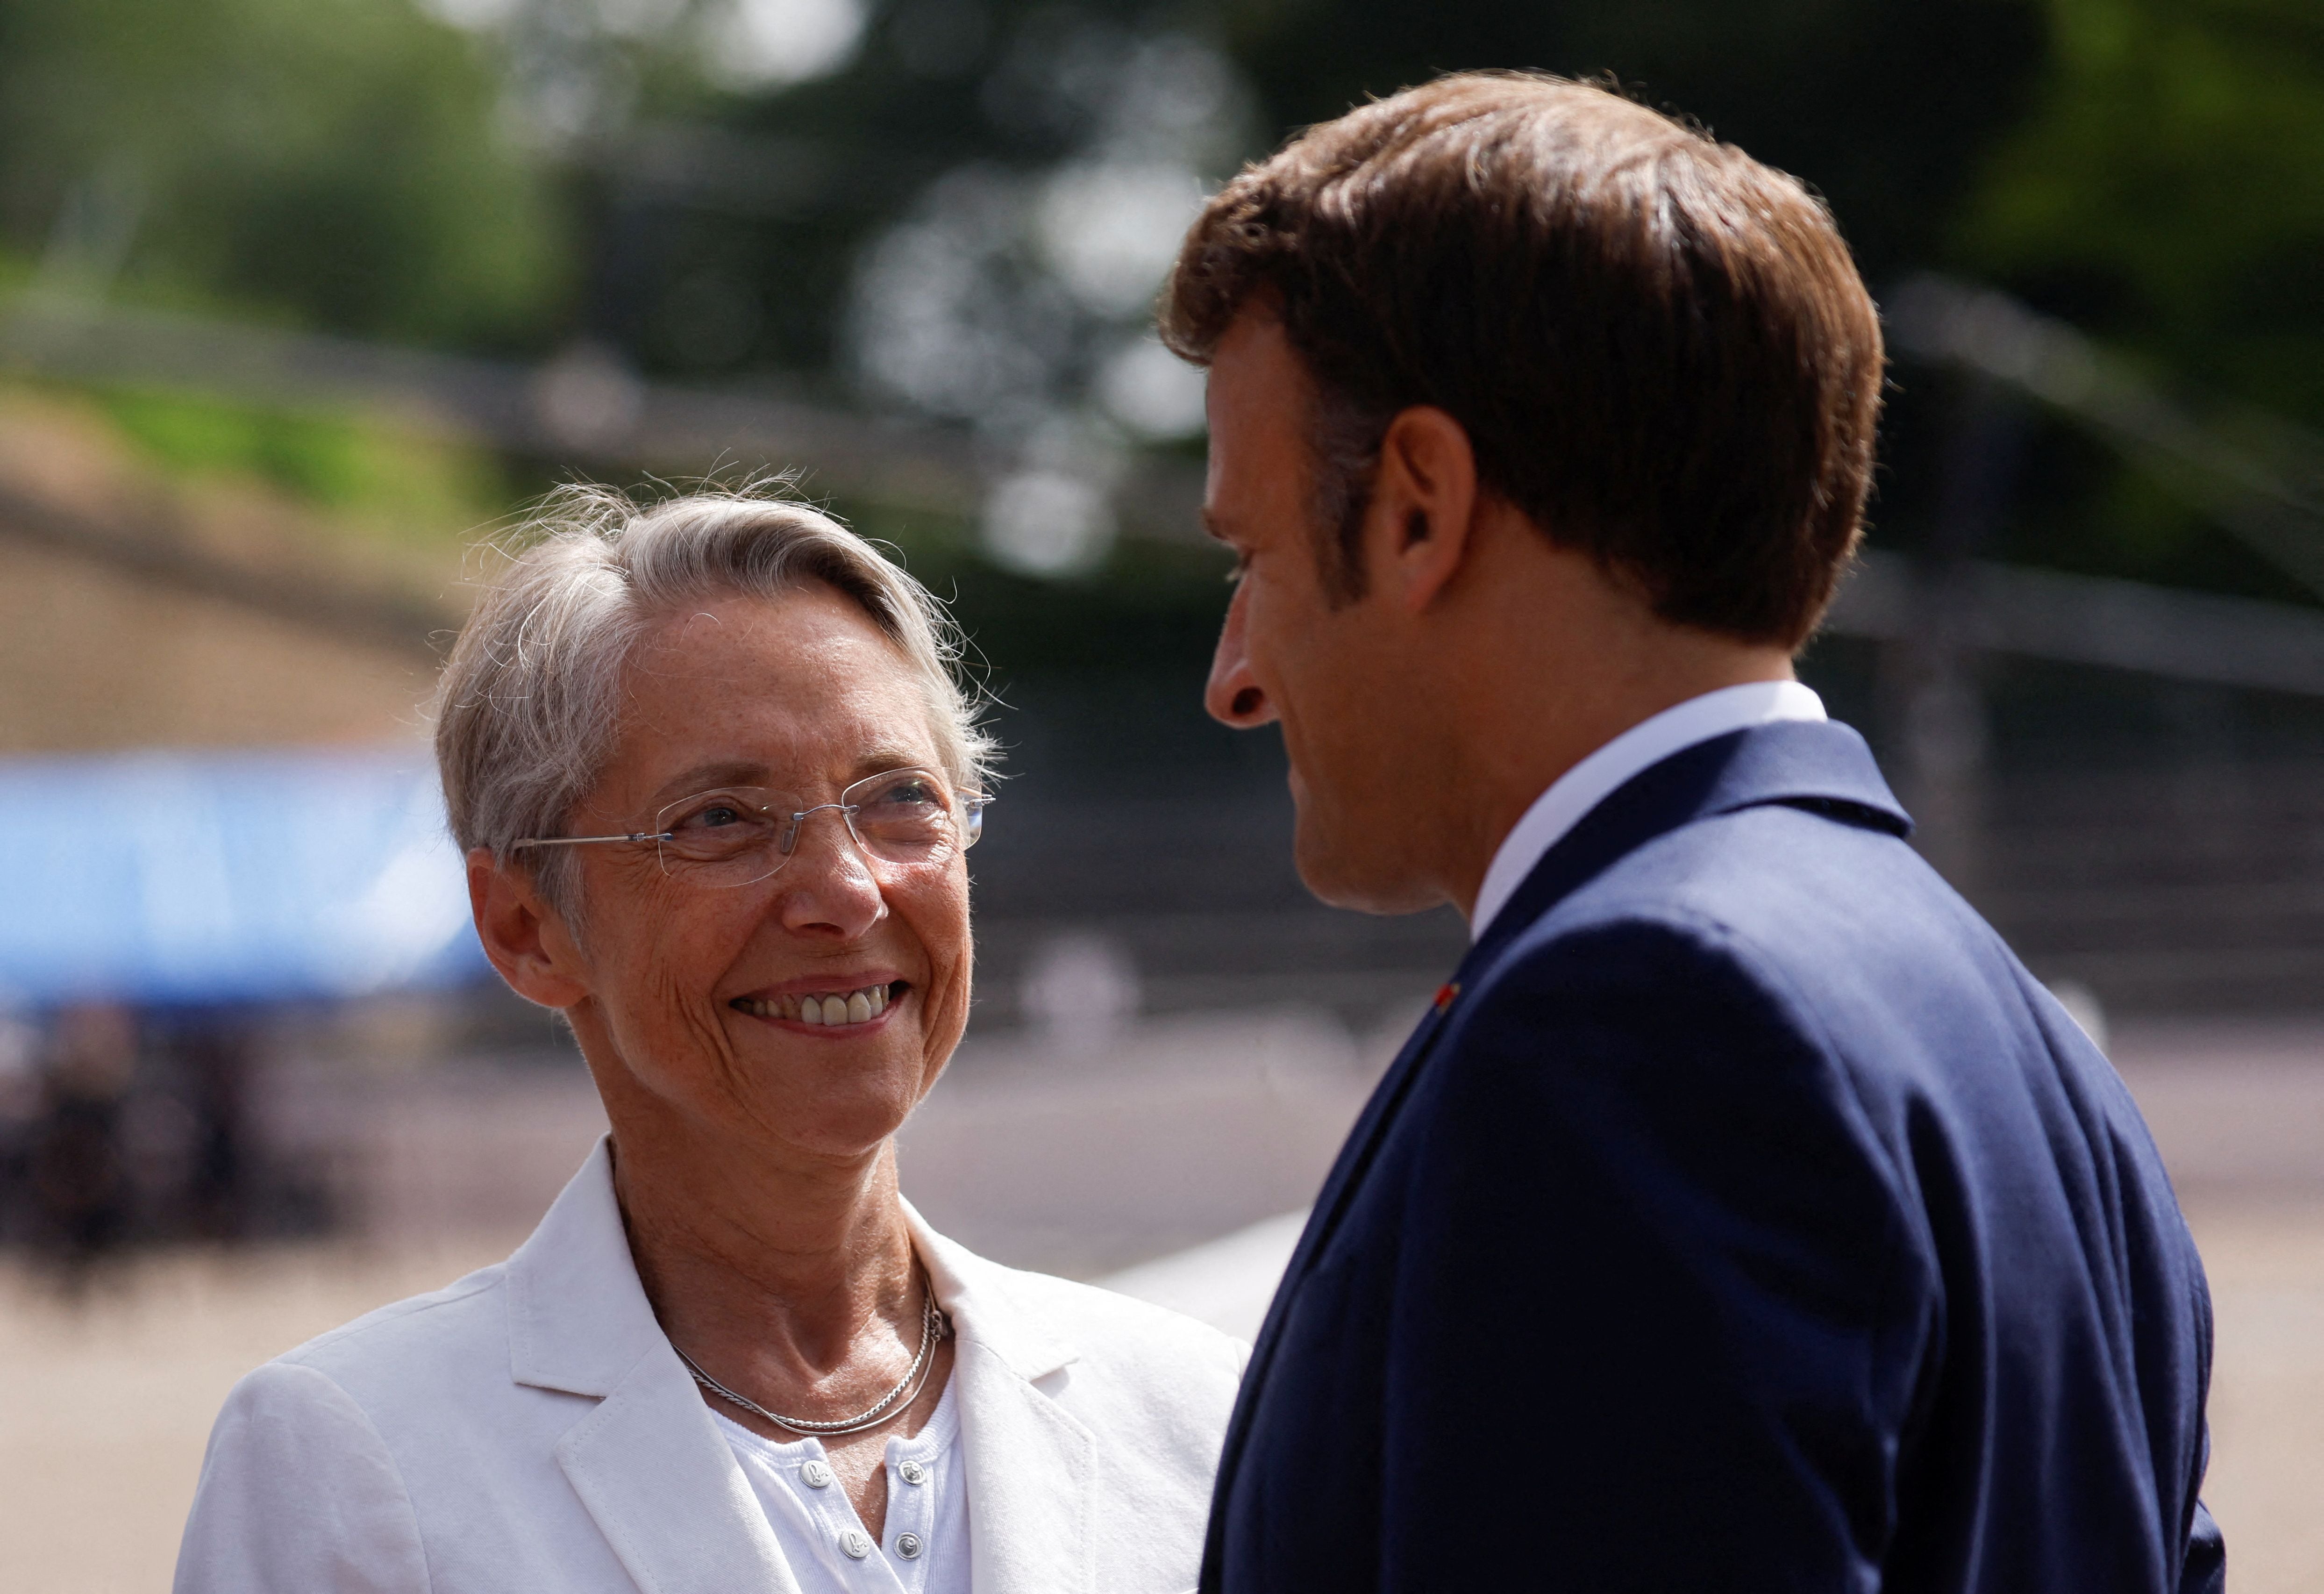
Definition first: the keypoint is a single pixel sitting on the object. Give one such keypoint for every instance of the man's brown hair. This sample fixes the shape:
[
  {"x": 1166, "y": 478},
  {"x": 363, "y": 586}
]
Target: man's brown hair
[{"x": 1660, "y": 349}]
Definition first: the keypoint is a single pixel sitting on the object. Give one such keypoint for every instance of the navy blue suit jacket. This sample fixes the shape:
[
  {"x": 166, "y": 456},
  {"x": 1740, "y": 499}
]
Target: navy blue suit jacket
[{"x": 1749, "y": 1219}]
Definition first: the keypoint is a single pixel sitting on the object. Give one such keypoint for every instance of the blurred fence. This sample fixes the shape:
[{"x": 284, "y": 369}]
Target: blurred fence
[{"x": 2124, "y": 777}]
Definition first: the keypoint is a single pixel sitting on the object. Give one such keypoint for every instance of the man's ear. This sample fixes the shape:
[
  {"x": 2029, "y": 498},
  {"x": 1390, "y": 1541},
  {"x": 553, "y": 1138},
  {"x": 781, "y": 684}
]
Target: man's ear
[
  {"x": 1419, "y": 524},
  {"x": 524, "y": 937}
]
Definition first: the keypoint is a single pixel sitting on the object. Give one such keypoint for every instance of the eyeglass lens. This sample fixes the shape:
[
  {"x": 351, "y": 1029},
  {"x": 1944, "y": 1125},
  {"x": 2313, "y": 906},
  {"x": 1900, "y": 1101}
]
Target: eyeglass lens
[{"x": 736, "y": 835}]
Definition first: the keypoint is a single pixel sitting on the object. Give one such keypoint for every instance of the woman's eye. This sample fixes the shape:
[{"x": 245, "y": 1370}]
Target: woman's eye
[
  {"x": 905, "y": 794},
  {"x": 714, "y": 816}
]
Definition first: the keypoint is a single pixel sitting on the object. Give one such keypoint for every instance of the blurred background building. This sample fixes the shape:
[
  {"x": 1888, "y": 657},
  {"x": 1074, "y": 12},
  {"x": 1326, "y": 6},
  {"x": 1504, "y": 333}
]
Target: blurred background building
[{"x": 301, "y": 299}]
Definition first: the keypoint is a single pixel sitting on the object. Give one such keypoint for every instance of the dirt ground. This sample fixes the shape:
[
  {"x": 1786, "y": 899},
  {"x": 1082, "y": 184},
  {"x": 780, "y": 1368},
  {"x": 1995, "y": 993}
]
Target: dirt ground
[
  {"x": 2266, "y": 1266},
  {"x": 106, "y": 1400}
]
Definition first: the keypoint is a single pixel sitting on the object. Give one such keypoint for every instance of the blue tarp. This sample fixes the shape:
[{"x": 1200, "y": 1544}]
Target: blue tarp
[{"x": 198, "y": 878}]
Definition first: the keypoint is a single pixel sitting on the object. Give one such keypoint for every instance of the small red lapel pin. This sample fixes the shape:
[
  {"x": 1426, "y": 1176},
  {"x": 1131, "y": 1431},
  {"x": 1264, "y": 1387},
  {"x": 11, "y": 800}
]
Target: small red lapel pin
[{"x": 1445, "y": 993}]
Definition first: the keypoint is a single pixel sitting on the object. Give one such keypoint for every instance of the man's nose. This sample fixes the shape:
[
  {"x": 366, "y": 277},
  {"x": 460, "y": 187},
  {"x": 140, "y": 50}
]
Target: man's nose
[{"x": 1233, "y": 696}]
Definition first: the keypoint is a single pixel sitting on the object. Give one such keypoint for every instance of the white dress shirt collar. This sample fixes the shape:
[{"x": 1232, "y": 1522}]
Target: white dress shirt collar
[{"x": 1644, "y": 745}]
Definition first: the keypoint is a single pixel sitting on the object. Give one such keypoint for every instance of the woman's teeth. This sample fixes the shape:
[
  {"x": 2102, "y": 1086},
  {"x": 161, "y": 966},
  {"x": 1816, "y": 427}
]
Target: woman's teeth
[{"x": 843, "y": 1007}]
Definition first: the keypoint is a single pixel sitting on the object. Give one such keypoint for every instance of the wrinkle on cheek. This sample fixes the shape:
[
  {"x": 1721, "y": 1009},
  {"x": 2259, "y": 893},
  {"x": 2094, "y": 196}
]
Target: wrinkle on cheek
[
  {"x": 946, "y": 1010},
  {"x": 677, "y": 1031},
  {"x": 711, "y": 1040},
  {"x": 944, "y": 1032}
]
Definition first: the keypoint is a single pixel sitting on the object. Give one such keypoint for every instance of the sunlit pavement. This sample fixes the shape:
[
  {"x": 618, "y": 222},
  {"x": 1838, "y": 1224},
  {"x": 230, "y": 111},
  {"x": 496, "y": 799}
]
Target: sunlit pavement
[{"x": 104, "y": 1401}]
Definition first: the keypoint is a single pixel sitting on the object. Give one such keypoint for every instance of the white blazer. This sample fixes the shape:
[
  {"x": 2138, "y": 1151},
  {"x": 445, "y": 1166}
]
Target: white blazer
[{"x": 530, "y": 1428}]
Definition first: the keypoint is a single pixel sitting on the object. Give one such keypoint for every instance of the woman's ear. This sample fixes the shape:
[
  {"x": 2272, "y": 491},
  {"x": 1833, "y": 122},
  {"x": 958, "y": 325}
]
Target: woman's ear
[
  {"x": 1422, "y": 507},
  {"x": 524, "y": 937}
]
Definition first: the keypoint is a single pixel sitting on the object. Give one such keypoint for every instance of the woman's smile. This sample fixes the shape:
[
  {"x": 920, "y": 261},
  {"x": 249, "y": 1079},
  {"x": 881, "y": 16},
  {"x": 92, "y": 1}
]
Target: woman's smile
[{"x": 831, "y": 1014}]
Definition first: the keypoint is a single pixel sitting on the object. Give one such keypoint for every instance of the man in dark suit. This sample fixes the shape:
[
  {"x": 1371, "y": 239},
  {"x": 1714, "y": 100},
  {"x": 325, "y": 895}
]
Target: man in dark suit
[{"x": 1743, "y": 1216}]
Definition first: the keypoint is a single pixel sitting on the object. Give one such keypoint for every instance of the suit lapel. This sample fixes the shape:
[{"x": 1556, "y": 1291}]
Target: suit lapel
[
  {"x": 1034, "y": 1464},
  {"x": 647, "y": 1461},
  {"x": 1805, "y": 762},
  {"x": 1339, "y": 1186},
  {"x": 664, "y": 1488},
  {"x": 1348, "y": 1168}
]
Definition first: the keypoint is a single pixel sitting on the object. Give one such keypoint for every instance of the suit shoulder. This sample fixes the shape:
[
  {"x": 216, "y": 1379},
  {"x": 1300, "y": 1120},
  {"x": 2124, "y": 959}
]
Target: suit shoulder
[
  {"x": 1691, "y": 1018},
  {"x": 1800, "y": 904},
  {"x": 1742, "y": 867},
  {"x": 1139, "y": 1328},
  {"x": 424, "y": 1327},
  {"x": 299, "y": 1489},
  {"x": 1680, "y": 942}
]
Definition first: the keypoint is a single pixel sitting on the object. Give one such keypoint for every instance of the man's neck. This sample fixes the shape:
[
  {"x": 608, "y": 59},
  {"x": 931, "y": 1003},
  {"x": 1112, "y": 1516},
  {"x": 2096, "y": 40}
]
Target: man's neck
[
  {"x": 1517, "y": 732},
  {"x": 1577, "y": 793}
]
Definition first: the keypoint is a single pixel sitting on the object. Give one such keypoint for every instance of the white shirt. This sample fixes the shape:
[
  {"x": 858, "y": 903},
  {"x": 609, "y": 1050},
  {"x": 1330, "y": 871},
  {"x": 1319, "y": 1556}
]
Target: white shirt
[
  {"x": 1604, "y": 772},
  {"x": 926, "y": 1551}
]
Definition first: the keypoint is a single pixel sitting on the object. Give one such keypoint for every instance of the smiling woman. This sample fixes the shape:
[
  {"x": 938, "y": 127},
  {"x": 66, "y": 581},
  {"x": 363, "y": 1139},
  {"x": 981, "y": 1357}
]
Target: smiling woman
[{"x": 717, "y": 782}]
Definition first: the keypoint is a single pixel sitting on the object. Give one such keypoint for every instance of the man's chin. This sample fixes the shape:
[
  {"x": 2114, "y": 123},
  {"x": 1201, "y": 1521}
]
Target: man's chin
[{"x": 1345, "y": 876}]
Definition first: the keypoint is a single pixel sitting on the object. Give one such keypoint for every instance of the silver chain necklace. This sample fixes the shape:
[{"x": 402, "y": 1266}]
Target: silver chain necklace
[{"x": 886, "y": 1409}]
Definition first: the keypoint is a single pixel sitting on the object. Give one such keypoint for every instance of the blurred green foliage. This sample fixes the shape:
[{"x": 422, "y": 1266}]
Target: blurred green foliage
[
  {"x": 332, "y": 162},
  {"x": 2152, "y": 171},
  {"x": 389, "y": 479},
  {"x": 2167, "y": 190},
  {"x": 1887, "y": 109},
  {"x": 2165, "y": 193}
]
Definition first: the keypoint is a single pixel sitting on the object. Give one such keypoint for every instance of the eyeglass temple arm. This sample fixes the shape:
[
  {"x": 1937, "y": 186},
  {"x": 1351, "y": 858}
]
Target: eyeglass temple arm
[{"x": 583, "y": 840}]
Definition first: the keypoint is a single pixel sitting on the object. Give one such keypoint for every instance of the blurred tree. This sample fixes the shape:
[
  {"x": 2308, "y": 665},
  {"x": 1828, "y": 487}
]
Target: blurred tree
[
  {"x": 961, "y": 207},
  {"x": 338, "y": 161},
  {"x": 2168, "y": 190},
  {"x": 1890, "y": 112},
  {"x": 967, "y": 215},
  {"x": 1887, "y": 110},
  {"x": 2166, "y": 194}
]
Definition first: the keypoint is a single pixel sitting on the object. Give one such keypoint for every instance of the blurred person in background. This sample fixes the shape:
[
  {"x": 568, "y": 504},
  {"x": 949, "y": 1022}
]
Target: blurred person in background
[
  {"x": 214, "y": 1058},
  {"x": 77, "y": 1175},
  {"x": 1744, "y": 1215},
  {"x": 715, "y": 782}
]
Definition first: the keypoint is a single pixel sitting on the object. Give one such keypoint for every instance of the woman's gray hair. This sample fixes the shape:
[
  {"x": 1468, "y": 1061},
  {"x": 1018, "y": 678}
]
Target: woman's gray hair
[{"x": 531, "y": 700}]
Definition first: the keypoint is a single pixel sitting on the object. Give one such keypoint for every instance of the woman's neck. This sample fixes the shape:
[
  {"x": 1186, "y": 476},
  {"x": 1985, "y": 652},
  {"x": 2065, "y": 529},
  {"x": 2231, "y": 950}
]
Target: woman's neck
[{"x": 792, "y": 1272}]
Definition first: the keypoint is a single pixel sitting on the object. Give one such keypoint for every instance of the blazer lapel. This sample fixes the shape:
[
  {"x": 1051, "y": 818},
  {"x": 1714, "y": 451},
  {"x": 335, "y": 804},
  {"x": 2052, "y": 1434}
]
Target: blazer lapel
[
  {"x": 1347, "y": 1172},
  {"x": 1355, "y": 1157},
  {"x": 666, "y": 1490},
  {"x": 648, "y": 1461},
  {"x": 1032, "y": 1465}
]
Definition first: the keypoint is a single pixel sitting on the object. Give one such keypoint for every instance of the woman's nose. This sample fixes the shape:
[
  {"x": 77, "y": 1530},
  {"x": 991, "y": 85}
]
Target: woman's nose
[{"x": 827, "y": 880}]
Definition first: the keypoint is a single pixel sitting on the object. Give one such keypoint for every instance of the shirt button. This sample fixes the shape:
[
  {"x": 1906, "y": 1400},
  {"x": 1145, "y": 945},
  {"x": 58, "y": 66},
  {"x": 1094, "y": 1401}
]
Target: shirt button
[
  {"x": 908, "y": 1545},
  {"x": 814, "y": 1475},
  {"x": 856, "y": 1545},
  {"x": 912, "y": 1472}
]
